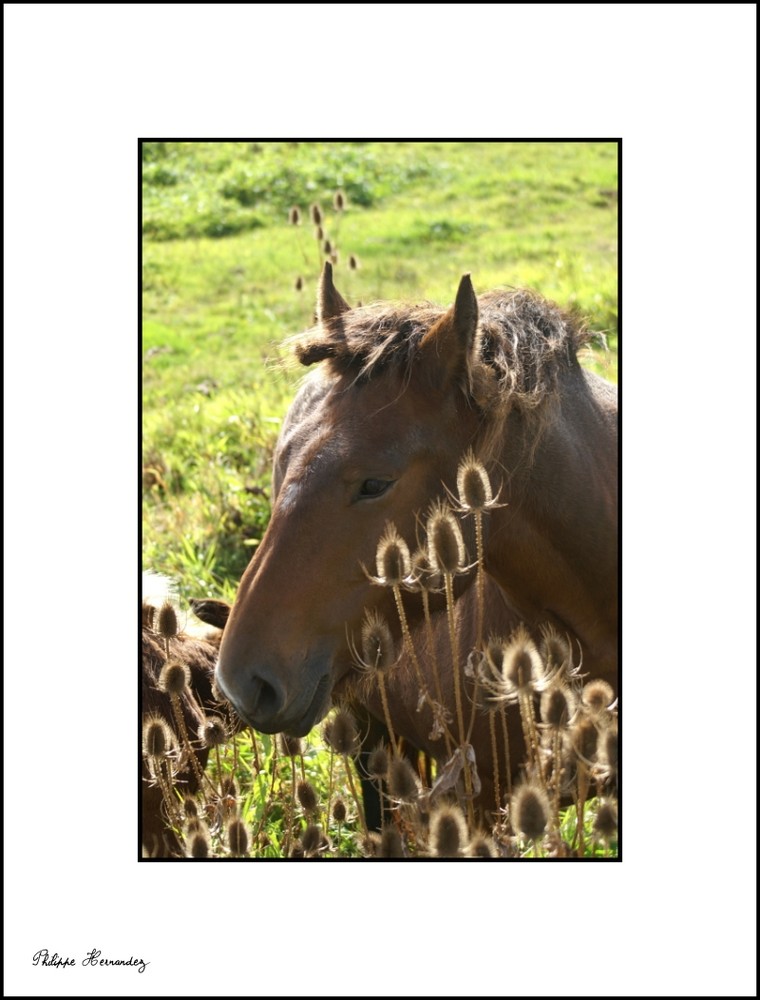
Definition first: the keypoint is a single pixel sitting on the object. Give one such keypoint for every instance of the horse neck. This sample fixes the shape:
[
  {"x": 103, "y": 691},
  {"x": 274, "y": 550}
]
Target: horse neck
[{"x": 553, "y": 546}]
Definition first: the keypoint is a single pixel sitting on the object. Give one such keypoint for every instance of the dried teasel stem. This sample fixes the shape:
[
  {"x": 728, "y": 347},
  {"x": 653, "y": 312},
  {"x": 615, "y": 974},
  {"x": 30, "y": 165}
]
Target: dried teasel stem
[
  {"x": 505, "y": 738},
  {"x": 158, "y": 743},
  {"x": 446, "y": 553},
  {"x": 174, "y": 681},
  {"x": 530, "y": 813},
  {"x": 331, "y": 769},
  {"x": 421, "y": 573},
  {"x": 393, "y": 569},
  {"x": 495, "y": 759},
  {"x": 357, "y": 800}
]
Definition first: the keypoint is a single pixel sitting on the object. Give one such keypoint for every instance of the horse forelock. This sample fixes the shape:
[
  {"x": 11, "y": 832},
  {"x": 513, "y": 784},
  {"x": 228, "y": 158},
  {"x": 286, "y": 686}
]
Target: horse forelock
[{"x": 523, "y": 344}]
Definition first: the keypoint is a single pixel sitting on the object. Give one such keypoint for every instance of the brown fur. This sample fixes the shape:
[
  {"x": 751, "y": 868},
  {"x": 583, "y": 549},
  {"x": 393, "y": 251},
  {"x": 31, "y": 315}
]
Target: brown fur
[
  {"x": 200, "y": 655},
  {"x": 404, "y": 393}
]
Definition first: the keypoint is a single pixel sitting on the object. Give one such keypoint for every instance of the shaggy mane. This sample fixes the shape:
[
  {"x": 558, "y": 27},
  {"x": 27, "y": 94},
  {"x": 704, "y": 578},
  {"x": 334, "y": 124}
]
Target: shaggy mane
[{"x": 524, "y": 342}]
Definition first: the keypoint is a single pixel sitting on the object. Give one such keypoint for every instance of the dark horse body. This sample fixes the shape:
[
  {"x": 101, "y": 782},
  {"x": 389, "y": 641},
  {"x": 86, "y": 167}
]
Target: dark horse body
[{"x": 375, "y": 433}]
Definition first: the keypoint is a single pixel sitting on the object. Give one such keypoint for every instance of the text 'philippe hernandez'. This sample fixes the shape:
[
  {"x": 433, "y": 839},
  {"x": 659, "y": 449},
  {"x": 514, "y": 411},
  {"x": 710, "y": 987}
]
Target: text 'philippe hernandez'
[{"x": 43, "y": 957}]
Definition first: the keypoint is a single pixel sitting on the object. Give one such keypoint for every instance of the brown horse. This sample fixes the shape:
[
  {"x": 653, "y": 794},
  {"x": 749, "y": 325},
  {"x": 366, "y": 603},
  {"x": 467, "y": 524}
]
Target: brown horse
[{"x": 376, "y": 432}]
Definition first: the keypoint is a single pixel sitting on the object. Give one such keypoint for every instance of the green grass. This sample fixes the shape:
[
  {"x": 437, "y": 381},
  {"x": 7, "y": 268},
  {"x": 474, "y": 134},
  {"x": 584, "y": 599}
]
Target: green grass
[
  {"x": 219, "y": 266},
  {"x": 220, "y": 263}
]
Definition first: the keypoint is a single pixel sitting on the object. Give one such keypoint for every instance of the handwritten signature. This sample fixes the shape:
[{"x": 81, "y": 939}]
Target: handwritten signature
[{"x": 92, "y": 958}]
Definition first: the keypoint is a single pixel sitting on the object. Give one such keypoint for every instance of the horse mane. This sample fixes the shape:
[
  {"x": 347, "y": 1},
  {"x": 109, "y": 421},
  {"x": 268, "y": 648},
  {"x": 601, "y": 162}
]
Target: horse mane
[{"x": 524, "y": 342}]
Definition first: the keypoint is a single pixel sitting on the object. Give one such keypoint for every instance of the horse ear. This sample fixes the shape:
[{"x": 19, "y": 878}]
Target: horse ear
[
  {"x": 449, "y": 343},
  {"x": 330, "y": 303}
]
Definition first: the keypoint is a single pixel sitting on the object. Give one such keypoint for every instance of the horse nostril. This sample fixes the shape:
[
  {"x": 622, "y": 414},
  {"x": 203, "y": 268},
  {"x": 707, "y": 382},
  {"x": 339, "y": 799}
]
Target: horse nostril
[{"x": 265, "y": 699}]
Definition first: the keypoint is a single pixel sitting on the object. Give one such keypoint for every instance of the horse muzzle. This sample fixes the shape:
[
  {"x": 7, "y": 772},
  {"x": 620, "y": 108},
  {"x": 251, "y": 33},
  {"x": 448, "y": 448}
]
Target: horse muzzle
[{"x": 263, "y": 700}]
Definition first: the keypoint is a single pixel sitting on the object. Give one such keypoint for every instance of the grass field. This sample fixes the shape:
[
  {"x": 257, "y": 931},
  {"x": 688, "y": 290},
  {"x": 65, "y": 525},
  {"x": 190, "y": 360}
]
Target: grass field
[
  {"x": 220, "y": 263},
  {"x": 227, "y": 278}
]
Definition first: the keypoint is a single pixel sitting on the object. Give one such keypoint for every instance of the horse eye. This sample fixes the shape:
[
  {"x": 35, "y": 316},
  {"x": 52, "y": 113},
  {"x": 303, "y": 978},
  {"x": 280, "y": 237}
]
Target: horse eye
[{"x": 373, "y": 488}]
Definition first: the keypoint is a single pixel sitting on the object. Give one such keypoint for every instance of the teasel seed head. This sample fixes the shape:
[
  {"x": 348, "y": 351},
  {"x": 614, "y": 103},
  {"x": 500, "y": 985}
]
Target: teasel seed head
[
  {"x": 473, "y": 484},
  {"x": 166, "y": 623},
  {"x": 344, "y": 738},
  {"x": 339, "y": 811},
  {"x": 229, "y": 788},
  {"x": 423, "y": 576},
  {"x": 377, "y": 642},
  {"x": 297, "y": 851},
  {"x": 339, "y": 201},
  {"x": 237, "y": 838},
  {"x": 299, "y": 284},
  {"x": 327, "y": 247},
  {"x": 448, "y": 832},
  {"x": 213, "y": 732},
  {"x": 294, "y": 216},
  {"x": 157, "y": 736},
  {"x": 523, "y": 666},
  {"x": 512, "y": 667},
  {"x": 306, "y": 796},
  {"x": 596, "y": 697},
  {"x": 607, "y": 752},
  {"x": 557, "y": 706},
  {"x": 584, "y": 737},
  {"x": 606, "y": 821},
  {"x": 377, "y": 762},
  {"x": 402, "y": 781},
  {"x": 316, "y": 215},
  {"x": 445, "y": 543},
  {"x": 290, "y": 746},
  {"x": 199, "y": 846},
  {"x": 353, "y": 262},
  {"x": 391, "y": 845},
  {"x": 191, "y": 807},
  {"x": 394, "y": 563},
  {"x": 148, "y": 617},
  {"x": 482, "y": 847},
  {"x": 312, "y": 840},
  {"x": 174, "y": 678},
  {"x": 554, "y": 648},
  {"x": 530, "y": 812}
]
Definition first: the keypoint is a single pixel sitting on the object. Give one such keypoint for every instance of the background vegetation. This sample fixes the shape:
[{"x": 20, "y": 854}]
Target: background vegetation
[
  {"x": 226, "y": 278},
  {"x": 220, "y": 262}
]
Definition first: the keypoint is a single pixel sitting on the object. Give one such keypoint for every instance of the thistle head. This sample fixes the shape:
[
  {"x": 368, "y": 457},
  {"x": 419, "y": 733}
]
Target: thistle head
[
  {"x": 378, "y": 652},
  {"x": 290, "y": 746},
  {"x": 391, "y": 845},
  {"x": 377, "y": 762},
  {"x": 306, "y": 796},
  {"x": 530, "y": 812},
  {"x": 403, "y": 785},
  {"x": 606, "y": 821},
  {"x": 174, "y": 678},
  {"x": 344, "y": 736},
  {"x": 166, "y": 621},
  {"x": 394, "y": 563},
  {"x": 213, "y": 732},
  {"x": 448, "y": 832},
  {"x": 237, "y": 838},
  {"x": 473, "y": 485},
  {"x": 445, "y": 545},
  {"x": 557, "y": 707},
  {"x": 554, "y": 648},
  {"x": 597, "y": 696},
  {"x": 199, "y": 844},
  {"x": 157, "y": 736},
  {"x": 482, "y": 846}
]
